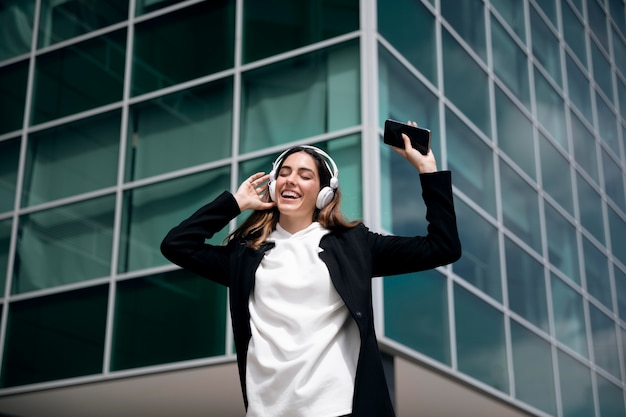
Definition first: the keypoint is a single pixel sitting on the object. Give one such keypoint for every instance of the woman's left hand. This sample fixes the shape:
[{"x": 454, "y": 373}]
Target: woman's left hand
[{"x": 423, "y": 163}]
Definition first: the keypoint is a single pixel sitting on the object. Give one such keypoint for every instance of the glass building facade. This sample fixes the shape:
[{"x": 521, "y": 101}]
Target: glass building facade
[{"x": 118, "y": 118}]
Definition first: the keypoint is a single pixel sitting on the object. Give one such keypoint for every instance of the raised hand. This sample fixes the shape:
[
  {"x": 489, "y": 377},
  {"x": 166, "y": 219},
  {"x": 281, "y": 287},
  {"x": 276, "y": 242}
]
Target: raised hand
[
  {"x": 423, "y": 163},
  {"x": 251, "y": 192}
]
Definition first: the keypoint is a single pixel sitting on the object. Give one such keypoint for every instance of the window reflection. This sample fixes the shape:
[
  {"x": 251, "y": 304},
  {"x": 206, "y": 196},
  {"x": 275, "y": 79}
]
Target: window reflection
[
  {"x": 604, "y": 341},
  {"x": 569, "y": 316},
  {"x": 13, "y": 96},
  {"x": 16, "y": 21},
  {"x": 545, "y": 46},
  {"x": 562, "y": 247},
  {"x": 5, "y": 245},
  {"x": 576, "y": 389},
  {"x": 9, "y": 159},
  {"x": 585, "y": 146},
  {"x": 510, "y": 63},
  {"x": 610, "y": 398},
  {"x": 597, "y": 274},
  {"x": 556, "y": 174},
  {"x": 574, "y": 32},
  {"x": 468, "y": 20},
  {"x": 613, "y": 180},
  {"x": 550, "y": 109},
  {"x": 590, "y": 206},
  {"x": 617, "y": 228},
  {"x": 579, "y": 89},
  {"x": 513, "y": 14}
]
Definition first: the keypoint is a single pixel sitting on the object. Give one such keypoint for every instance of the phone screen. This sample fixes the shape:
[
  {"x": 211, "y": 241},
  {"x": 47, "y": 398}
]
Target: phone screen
[{"x": 420, "y": 137}]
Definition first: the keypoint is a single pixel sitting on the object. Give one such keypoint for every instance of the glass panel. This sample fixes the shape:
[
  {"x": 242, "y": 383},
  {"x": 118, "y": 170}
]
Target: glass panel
[
  {"x": 574, "y": 32},
  {"x": 64, "y": 245},
  {"x": 409, "y": 26},
  {"x": 585, "y": 148},
  {"x": 316, "y": 93},
  {"x": 468, "y": 19},
  {"x": 9, "y": 160},
  {"x": 602, "y": 71},
  {"x": 556, "y": 174},
  {"x": 13, "y": 80},
  {"x": 71, "y": 159},
  {"x": 562, "y": 247},
  {"x": 604, "y": 338},
  {"x": 416, "y": 313},
  {"x": 172, "y": 48},
  {"x": 64, "y": 19},
  {"x": 597, "y": 274},
  {"x": 55, "y": 337},
  {"x": 180, "y": 130},
  {"x": 610, "y": 398},
  {"x": 465, "y": 83},
  {"x": 16, "y": 21},
  {"x": 617, "y": 228},
  {"x": 471, "y": 160},
  {"x": 513, "y": 14},
  {"x": 147, "y": 6},
  {"x": 590, "y": 205},
  {"x": 481, "y": 347},
  {"x": 275, "y": 26},
  {"x": 619, "y": 51},
  {"x": 79, "y": 77},
  {"x": 579, "y": 89},
  {"x": 616, "y": 13},
  {"x": 576, "y": 389},
  {"x": 607, "y": 124},
  {"x": 520, "y": 207},
  {"x": 151, "y": 211},
  {"x": 532, "y": 367},
  {"x": 5, "y": 246},
  {"x": 620, "y": 289},
  {"x": 614, "y": 181},
  {"x": 550, "y": 110},
  {"x": 549, "y": 8},
  {"x": 510, "y": 63},
  {"x": 621, "y": 92},
  {"x": 597, "y": 22},
  {"x": 545, "y": 46},
  {"x": 480, "y": 263},
  {"x": 192, "y": 326},
  {"x": 569, "y": 316}
]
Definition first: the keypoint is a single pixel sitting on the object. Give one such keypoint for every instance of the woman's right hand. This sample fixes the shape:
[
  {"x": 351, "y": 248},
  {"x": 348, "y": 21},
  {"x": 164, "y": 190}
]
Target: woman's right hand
[{"x": 250, "y": 193}]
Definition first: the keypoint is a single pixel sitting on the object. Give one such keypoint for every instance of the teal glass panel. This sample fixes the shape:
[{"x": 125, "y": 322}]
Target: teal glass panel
[
  {"x": 616, "y": 13},
  {"x": 183, "y": 45},
  {"x": 510, "y": 63},
  {"x": 275, "y": 26},
  {"x": 150, "y": 212},
  {"x": 614, "y": 180},
  {"x": 597, "y": 22},
  {"x": 569, "y": 316},
  {"x": 604, "y": 338},
  {"x": 65, "y": 244},
  {"x": 513, "y": 14},
  {"x": 192, "y": 326},
  {"x": 70, "y": 159},
  {"x": 607, "y": 124},
  {"x": 574, "y": 32},
  {"x": 556, "y": 174},
  {"x": 617, "y": 228},
  {"x": 619, "y": 51},
  {"x": 520, "y": 207},
  {"x": 533, "y": 370},
  {"x": 16, "y": 21},
  {"x": 480, "y": 340},
  {"x": 180, "y": 130},
  {"x": 304, "y": 96},
  {"x": 545, "y": 46},
  {"x": 590, "y": 206},
  {"x": 576, "y": 389},
  {"x": 465, "y": 83},
  {"x": 409, "y": 27},
  {"x": 550, "y": 109},
  {"x": 13, "y": 80},
  {"x": 579, "y": 89},
  {"x": 597, "y": 273},
  {"x": 79, "y": 77},
  {"x": 620, "y": 290},
  {"x": 66, "y": 19},
  {"x": 55, "y": 337},
  {"x": 602, "y": 73},
  {"x": 585, "y": 151},
  {"x": 9, "y": 160},
  {"x": 549, "y": 8},
  {"x": 621, "y": 91},
  {"x": 471, "y": 160},
  {"x": 416, "y": 313},
  {"x": 148, "y": 6},
  {"x": 562, "y": 247},
  {"x": 610, "y": 398},
  {"x": 5, "y": 246},
  {"x": 468, "y": 20}
]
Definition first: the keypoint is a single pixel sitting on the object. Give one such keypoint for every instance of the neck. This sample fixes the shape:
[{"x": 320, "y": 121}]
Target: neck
[{"x": 294, "y": 225}]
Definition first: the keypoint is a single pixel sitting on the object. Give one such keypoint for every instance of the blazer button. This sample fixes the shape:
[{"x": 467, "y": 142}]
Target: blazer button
[{"x": 358, "y": 315}]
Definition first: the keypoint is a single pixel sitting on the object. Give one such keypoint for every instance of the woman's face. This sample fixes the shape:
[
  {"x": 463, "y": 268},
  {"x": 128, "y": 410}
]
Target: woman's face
[{"x": 297, "y": 186}]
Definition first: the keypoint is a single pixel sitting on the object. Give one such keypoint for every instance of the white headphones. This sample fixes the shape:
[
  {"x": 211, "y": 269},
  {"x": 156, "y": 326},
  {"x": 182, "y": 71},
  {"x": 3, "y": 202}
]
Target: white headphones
[{"x": 326, "y": 194}]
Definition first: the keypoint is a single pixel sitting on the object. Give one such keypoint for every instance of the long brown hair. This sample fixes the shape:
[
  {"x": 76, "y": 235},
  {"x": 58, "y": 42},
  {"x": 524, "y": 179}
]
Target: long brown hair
[{"x": 257, "y": 227}]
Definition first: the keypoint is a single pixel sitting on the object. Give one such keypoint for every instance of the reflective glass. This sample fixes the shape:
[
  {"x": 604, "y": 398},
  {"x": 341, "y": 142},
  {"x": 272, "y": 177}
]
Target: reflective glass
[
  {"x": 620, "y": 290},
  {"x": 183, "y": 45},
  {"x": 607, "y": 124},
  {"x": 79, "y": 77},
  {"x": 481, "y": 347},
  {"x": 416, "y": 313},
  {"x": 562, "y": 247},
  {"x": 9, "y": 160},
  {"x": 579, "y": 89},
  {"x": 480, "y": 263},
  {"x": 614, "y": 180},
  {"x": 578, "y": 4},
  {"x": 604, "y": 339},
  {"x": 610, "y": 398},
  {"x": 585, "y": 151},
  {"x": 192, "y": 326},
  {"x": 16, "y": 21},
  {"x": 617, "y": 228},
  {"x": 64, "y": 245},
  {"x": 70, "y": 159},
  {"x": 619, "y": 52},
  {"x": 64, "y": 19},
  {"x": 549, "y": 8},
  {"x": 510, "y": 63},
  {"x": 468, "y": 20},
  {"x": 55, "y": 337},
  {"x": 556, "y": 174},
  {"x": 545, "y": 46},
  {"x": 574, "y": 32},
  {"x": 150, "y": 212},
  {"x": 515, "y": 134},
  {"x": 550, "y": 109},
  {"x": 597, "y": 22},
  {"x": 533, "y": 370},
  {"x": 180, "y": 130},
  {"x": 597, "y": 273},
  {"x": 147, "y": 6},
  {"x": 275, "y": 26},
  {"x": 576, "y": 389},
  {"x": 409, "y": 26},
  {"x": 520, "y": 207},
  {"x": 616, "y": 12},
  {"x": 5, "y": 243},
  {"x": 13, "y": 80},
  {"x": 602, "y": 73},
  {"x": 621, "y": 91},
  {"x": 590, "y": 206},
  {"x": 465, "y": 83},
  {"x": 513, "y": 14},
  {"x": 569, "y": 316},
  {"x": 304, "y": 96}
]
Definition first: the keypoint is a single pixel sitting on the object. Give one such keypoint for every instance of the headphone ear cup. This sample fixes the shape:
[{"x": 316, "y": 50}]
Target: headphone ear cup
[
  {"x": 271, "y": 186},
  {"x": 324, "y": 197}
]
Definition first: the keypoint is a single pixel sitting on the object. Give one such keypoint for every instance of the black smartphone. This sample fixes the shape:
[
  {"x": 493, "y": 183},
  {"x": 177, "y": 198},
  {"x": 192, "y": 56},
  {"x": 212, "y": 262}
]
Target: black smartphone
[{"x": 420, "y": 137}]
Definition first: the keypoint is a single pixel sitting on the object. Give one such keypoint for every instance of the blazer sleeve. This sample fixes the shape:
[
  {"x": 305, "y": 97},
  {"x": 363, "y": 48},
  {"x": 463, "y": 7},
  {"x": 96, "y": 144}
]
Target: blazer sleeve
[
  {"x": 185, "y": 244},
  {"x": 393, "y": 255}
]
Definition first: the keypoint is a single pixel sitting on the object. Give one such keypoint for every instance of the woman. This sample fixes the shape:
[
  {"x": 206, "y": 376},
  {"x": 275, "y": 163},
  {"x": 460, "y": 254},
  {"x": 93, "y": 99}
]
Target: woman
[{"x": 300, "y": 282}]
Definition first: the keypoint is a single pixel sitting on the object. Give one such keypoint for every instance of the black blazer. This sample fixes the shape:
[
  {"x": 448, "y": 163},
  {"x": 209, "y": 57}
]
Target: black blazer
[{"x": 353, "y": 256}]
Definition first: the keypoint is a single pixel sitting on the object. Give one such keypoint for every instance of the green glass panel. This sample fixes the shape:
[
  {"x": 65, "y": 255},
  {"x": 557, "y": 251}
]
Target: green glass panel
[
  {"x": 562, "y": 247},
  {"x": 275, "y": 26},
  {"x": 70, "y": 159},
  {"x": 597, "y": 273},
  {"x": 66, "y": 19},
  {"x": 550, "y": 109},
  {"x": 510, "y": 63},
  {"x": 621, "y": 88},
  {"x": 619, "y": 50},
  {"x": 513, "y": 14},
  {"x": 617, "y": 228},
  {"x": 183, "y": 45},
  {"x": 533, "y": 370},
  {"x": 569, "y": 316},
  {"x": 410, "y": 28},
  {"x": 545, "y": 46},
  {"x": 610, "y": 398},
  {"x": 13, "y": 80},
  {"x": 607, "y": 124},
  {"x": 304, "y": 96},
  {"x": 5, "y": 246},
  {"x": 55, "y": 337},
  {"x": 468, "y": 20},
  {"x": 620, "y": 289},
  {"x": 191, "y": 326},
  {"x": 151, "y": 211},
  {"x": 604, "y": 338},
  {"x": 148, "y": 6},
  {"x": 515, "y": 134},
  {"x": 585, "y": 151},
  {"x": 64, "y": 245},
  {"x": 9, "y": 160},
  {"x": 549, "y": 8},
  {"x": 579, "y": 89},
  {"x": 16, "y": 21},
  {"x": 590, "y": 205},
  {"x": 79, "y": 77},
  {"x": 597, "y": 21},
  {"x": 614, "y": 180},
  {"x": 574, "y": 32},
  {"x": 416, "y": 313},
  {"x": 480, "y": 340},
  {"x": 576, "y": 389},
  {"x": 180, "y": 130},
  {"x": 617, "y": 15},
  {"x": 556, "y": 174}
]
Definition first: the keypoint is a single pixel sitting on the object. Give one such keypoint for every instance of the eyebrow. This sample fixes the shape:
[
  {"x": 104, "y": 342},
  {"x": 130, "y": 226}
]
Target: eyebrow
[{"x": 299, "y": 169}]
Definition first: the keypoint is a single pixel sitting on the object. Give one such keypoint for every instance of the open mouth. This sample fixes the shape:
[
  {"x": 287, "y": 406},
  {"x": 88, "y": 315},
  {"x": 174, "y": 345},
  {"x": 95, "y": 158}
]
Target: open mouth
[{"x": 290, "y": 195}]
